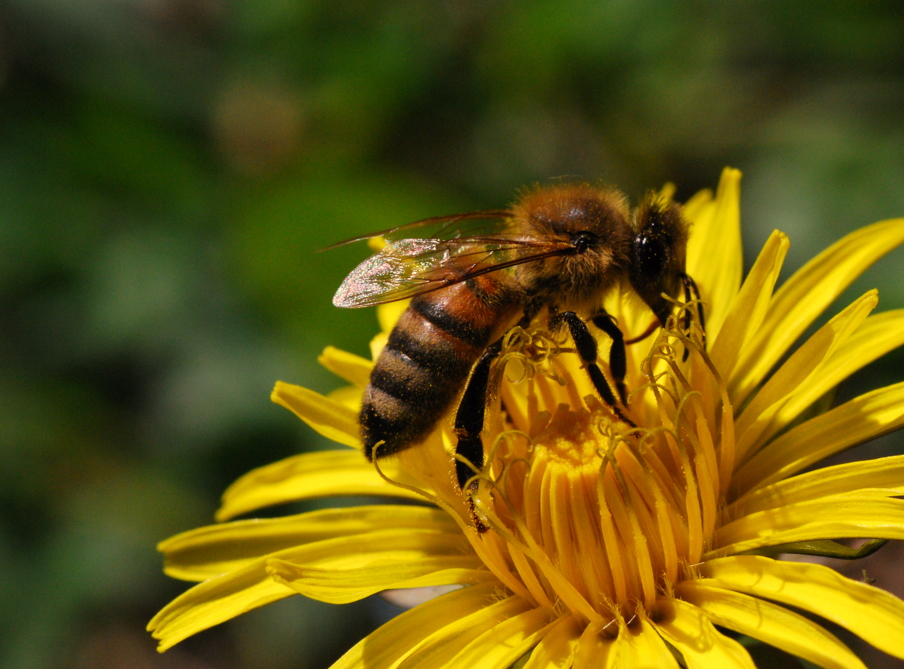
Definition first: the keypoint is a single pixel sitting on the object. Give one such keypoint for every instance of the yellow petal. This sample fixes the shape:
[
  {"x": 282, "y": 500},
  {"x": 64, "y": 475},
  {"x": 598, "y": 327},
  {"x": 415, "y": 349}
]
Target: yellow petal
[
  {"x": 807, "y": 294},
  {"x": 667, "y": 192},
  {"x": 714, "y": 254},
  {"x": 640, "y": 646},
  {"x": 701, "y": 645},
  {"x": 342, "y": 586},
  {"x": 700, "y": 206},
  {"x": 834, "y": 517},
  {"x": 396, "y": 639},
  {"x": 353, "y": 368},
  {"x": 846, "y": 479},
  {"x": 876, "y": 336},
  {"x": 500, "y": 646},
  {"x": 377, "y": 344},
  {"x": 771, "y": 623},
  {"x": 855, "y": 422},
  {"x": 224, "y": 597},
  {"x": 308, "y": 476},
  {"x": 392, "y": 546},
  {"x": 389, "y": 314},
  {"x": 209, "y": 551},
  {"x": 558, "y": 647},
  {"x": 749, "y": 307},
  {"x": 595, "y": 650},
  {"x": 215, "y": 601},
  {"x": 760, "y": 415},
  {"x": 874, "y": 615},
  {"x": 437, "y": 648},
  {"x": 328, "y": 417},
  {"x": 348, "y": 396}
]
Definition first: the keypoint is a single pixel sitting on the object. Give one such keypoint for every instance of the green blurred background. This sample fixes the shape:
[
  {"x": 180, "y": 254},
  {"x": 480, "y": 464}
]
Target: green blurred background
[{"x": 169, "y": 168}]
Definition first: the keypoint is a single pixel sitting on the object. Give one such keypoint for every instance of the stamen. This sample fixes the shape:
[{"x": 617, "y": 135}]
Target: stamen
[
  {"x": 594, "y": 518},
  {"x": 574, "y": 398},
  {"x": 430, "y": 497},
  {"x": 618, "y": 497},
  {"x": 611, "y": 542}
]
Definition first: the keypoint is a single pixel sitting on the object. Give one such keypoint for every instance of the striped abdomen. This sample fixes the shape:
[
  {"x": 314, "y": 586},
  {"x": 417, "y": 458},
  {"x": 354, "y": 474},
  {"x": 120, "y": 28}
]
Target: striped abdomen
[{"x": 428, "y": 357}]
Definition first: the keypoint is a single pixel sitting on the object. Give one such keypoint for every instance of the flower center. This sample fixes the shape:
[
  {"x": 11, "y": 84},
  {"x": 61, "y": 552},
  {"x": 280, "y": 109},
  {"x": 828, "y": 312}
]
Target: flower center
[{"x": 595, "y": 516}]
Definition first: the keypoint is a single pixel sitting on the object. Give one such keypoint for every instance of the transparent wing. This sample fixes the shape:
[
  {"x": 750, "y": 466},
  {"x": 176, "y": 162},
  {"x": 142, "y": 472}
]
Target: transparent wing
[
  {"x": 410, "y": 267},
  {"x": 454, "y": 226}
]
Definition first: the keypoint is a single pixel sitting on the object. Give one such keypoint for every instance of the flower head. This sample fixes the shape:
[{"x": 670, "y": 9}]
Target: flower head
[{"x": 586, "y": 540}]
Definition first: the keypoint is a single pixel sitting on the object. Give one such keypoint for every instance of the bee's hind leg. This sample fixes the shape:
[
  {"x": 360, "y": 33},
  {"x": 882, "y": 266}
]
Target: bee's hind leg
[
  {"x": 470, "y": 417},
  {"x": 586, "y": 347}
]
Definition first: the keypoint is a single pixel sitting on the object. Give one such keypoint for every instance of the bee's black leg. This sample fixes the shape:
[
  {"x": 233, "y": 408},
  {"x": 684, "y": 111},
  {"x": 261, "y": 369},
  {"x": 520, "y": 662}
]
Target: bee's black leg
[
  {"x": 692, "y": 292},
  {"x": 586, "y": 347},
  {"x": 618, "y": 363},
  {"x": 470, "y": 416}
]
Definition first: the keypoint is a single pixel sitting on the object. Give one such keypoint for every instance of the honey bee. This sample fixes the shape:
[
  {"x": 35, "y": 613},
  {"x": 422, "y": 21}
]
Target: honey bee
[{"x": 473, "y": 276}]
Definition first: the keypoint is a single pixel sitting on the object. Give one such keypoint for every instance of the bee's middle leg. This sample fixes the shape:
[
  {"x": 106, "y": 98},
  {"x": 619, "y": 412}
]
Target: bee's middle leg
[{"x": 586, "y": 347}]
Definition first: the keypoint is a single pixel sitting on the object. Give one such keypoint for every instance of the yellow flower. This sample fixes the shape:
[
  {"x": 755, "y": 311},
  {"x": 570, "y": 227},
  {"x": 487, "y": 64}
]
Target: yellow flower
[{"x": 607, "y": 545}]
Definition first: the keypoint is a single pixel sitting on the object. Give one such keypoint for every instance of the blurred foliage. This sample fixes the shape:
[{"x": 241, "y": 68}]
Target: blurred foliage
[{"x": 169, "y": 169}]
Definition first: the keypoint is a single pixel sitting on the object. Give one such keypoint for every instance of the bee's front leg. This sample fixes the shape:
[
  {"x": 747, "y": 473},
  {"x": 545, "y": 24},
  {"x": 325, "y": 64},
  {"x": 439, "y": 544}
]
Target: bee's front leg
[
  {"x": 691, "y": 292},
  {"x": 586, "y": 347},
  {"x": 618, "y": 363}
]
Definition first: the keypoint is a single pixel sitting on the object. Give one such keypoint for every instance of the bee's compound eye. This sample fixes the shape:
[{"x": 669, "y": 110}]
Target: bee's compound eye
[
  {"x": 650, "y": 254},
  {"x": 582, "y": 241}
]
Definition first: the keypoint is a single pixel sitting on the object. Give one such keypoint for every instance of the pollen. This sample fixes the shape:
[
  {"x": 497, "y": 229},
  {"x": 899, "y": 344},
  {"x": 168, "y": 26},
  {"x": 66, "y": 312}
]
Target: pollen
[
  {"x": 571, "y": 439},
  {"x": 602, "y": 519}
]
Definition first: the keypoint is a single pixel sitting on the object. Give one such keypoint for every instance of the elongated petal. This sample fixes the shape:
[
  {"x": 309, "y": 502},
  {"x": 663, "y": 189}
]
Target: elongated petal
[
  {"x": 700, "y": 206},
  {"x": 392, "y": 642},
  {"x": 342, "y": 586},
  {"x": 759, "y": 415},
  {"x": 701, "y": 645},
  {"x": 596, "y": 650},
  {"x": 215, "y": 601},
  {"x": 353, "y": 368},
  {"x": 209, "y": 551},
  {"x": 846, "y": 479},
  {"x": 308, "y": 476},
  {"x": 349, "y": 397},
  {"x": 749, "y": 307},
  {"x": 872, "y": 614},
  {"x": 558, "y": 647},
  {"x": 328, "y": 417},
  {"x": 855, "y": 422},
  {"x": 378, "y": 343},
  {"x": 807, "y": 294},
  {"x": 838, "y": 517},
  {"x": 500, "y": 646},
  {"x": 389, "y": 314},
  {"x": 641, "y": 646},
  {"x": 771, "y": 623},
  {"x": 876, "y": 336},
  {"x": 224, "y": 597},
  {"x": 436, "y": 649},
  {"x": 714, "y": 255}
]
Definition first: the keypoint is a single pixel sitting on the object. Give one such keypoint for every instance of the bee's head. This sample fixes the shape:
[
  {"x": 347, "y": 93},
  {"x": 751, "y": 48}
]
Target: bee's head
[{"x": 658, "y": 254}]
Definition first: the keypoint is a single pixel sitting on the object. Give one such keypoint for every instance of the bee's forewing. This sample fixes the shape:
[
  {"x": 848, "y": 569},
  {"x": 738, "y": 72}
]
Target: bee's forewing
[
  {"x": 412, "y": 267},
  {"x": 468, "y": 224},
  {"x": 392, "y": 274}
]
